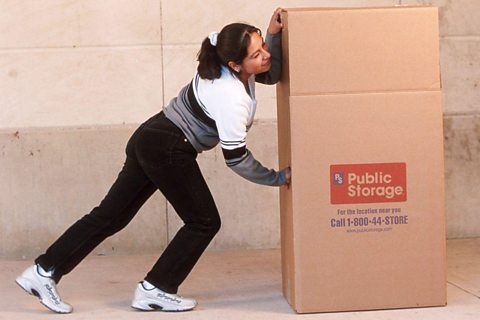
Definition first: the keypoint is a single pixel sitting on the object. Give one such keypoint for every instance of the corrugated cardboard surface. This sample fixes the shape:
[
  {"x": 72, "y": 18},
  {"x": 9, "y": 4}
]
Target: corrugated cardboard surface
[{"x": 351, "y": 117}]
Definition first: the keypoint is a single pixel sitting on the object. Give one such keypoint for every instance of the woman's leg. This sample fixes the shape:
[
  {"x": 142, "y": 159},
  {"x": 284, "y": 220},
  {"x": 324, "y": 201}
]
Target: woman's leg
[
  {"x": 128, "y": 193},
  {"x": 131, "y": 189},
  {"x": 188, "y": 193},
  {"x": 172, "y": 167}
]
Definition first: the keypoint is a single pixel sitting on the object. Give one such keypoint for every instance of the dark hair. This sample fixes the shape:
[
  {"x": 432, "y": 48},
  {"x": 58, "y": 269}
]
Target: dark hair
[{"x": 232, "y": 45}]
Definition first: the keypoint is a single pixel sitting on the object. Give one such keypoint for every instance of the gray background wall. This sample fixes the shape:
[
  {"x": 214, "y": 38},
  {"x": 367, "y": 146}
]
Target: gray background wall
[{"x": 77, "y": 77}]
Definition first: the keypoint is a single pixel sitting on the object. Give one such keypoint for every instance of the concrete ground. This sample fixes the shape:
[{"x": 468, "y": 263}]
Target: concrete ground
[{"x": 228, "y": 285}]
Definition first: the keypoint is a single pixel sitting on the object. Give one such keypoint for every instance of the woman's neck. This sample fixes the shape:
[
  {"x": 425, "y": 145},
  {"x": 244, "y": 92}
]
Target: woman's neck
[{"x": 244, "y": 78}]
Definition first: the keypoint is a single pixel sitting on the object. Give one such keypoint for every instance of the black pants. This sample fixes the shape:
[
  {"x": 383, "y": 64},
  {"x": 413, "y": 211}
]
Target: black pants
[{"x": 158, "y": 157}]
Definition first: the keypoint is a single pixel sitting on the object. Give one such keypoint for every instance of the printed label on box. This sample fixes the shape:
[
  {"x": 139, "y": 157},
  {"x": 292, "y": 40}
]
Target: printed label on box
[{"x": 368, "y": 183}]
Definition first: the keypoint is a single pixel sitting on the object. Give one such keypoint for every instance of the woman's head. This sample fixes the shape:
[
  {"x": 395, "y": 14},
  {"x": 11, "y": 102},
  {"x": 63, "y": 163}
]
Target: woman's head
[{"x": 239, "y": 46}]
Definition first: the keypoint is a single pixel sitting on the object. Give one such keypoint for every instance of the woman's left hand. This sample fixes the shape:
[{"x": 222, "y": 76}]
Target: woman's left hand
[
  {"x": 288, "y": 176},
  {"x": 276, "y": 24}
]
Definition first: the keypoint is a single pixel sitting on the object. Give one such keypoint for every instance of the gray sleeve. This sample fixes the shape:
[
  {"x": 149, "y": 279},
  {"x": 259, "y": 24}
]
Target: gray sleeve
[
  {"x": 272, "y": 76},
  {"x": 249, "y": 168}
]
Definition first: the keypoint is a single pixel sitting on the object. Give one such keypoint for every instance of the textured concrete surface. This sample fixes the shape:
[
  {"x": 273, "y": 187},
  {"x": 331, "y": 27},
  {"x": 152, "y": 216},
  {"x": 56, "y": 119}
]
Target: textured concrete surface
[
  {"x": 51, "y": 178},
  {"x": 228, "y": 285},
  {"x": 462, "y": 175}
]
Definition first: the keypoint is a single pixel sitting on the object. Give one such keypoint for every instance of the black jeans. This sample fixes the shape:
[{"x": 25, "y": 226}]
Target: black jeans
[{"x": 158, "y": 157}]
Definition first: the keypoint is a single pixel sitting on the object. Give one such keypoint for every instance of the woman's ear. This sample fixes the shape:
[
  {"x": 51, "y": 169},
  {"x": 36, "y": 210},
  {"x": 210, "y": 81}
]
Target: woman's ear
[{"x": 234, "y": 66}]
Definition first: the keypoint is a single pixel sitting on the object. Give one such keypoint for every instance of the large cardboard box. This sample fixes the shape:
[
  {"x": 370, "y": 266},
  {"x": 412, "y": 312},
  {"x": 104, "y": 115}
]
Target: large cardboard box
[{"x": 360, "y": 124}]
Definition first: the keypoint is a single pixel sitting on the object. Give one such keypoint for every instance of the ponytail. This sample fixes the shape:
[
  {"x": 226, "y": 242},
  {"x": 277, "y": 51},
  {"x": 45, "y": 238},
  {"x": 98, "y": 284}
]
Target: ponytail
[
  {"x": 209, "y": 64},
  {"x": 231, "y": 45}
]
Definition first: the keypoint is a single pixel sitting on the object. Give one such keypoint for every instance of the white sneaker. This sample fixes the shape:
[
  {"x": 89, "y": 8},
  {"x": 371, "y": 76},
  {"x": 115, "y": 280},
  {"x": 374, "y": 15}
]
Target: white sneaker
[
  {"x": 156, "y": 299},
  {"x": 44, "y": 288}
]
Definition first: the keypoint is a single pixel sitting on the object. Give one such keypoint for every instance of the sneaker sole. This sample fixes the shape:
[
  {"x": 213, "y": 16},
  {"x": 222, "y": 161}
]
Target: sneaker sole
[
  {"x": 34, "y": 293},
  {"x": 155, "y": 307}
]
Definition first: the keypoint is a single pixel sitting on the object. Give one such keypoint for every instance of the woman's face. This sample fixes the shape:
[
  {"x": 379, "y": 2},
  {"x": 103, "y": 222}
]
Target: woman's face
[{"x": 258, "y": 57}]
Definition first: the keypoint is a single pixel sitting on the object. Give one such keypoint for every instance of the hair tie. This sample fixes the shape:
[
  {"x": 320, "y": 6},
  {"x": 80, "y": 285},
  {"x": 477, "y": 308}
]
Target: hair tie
[{"x": 213, "y": 36}]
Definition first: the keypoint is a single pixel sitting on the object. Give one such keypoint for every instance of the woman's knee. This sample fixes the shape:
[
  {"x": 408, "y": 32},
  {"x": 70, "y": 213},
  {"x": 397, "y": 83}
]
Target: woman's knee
[
  {"x": 207, "y": 226},
  {"x": 215, "y": 225},
  {"x": 104, "y": 224}
]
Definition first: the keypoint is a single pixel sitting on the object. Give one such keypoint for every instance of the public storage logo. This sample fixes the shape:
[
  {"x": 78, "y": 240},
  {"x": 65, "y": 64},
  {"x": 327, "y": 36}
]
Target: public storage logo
[{"x": 368, "y": 183}]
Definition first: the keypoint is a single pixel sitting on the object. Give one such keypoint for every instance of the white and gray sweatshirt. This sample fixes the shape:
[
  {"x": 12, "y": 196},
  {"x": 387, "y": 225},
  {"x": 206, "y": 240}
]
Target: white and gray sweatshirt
[{"x": 221, "y": 110}]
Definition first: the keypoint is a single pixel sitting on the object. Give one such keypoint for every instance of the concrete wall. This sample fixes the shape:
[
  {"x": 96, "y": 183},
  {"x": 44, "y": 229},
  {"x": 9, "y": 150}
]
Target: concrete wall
[
  {"x": 460, "y": 62},
  {"x": 77, "y": 77}
]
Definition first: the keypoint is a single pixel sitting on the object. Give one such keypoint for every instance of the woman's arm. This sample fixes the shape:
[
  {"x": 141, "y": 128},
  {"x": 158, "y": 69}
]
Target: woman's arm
[
  {"x": 272, "y": 76},
  {"x": 273, "y": 40},
  {"x": 231, "y": 118},
  {"x": 242, "y": 162}
]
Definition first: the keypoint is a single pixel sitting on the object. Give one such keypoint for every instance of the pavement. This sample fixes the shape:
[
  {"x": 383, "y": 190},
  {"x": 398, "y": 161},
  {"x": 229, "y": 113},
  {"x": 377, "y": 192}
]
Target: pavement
[{"x": 240, "y": 284}]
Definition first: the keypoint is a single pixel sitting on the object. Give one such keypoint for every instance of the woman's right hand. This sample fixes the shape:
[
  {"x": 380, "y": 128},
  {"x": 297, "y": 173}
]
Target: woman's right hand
[{"x": 275, "y": 25}]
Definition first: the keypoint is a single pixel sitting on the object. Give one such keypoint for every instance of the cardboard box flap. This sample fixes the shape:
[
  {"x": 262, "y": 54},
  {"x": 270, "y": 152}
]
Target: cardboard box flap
[{"x": 361, "y": 50}]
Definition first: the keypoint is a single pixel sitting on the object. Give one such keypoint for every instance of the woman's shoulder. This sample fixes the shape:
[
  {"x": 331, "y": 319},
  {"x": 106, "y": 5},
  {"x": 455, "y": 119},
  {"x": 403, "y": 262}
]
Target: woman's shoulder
[
  {"x": 227, "y": 79},
  {"x": 225, "y": 87}
]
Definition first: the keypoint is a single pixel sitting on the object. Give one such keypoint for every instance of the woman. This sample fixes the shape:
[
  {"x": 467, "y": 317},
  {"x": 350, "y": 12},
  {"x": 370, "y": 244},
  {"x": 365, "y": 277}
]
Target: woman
[{"x": 217, "y": 106}]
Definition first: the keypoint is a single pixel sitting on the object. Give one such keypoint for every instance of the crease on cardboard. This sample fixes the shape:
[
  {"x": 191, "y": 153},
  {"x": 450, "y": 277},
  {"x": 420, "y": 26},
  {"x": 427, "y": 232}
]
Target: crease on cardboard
[
  {"x": 284, "y": 156},
  {"x": 435, "y": 89},
  {"x": 403, "y": 6}
]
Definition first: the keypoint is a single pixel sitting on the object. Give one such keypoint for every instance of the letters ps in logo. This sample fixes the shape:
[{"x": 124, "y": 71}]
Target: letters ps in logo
[{"x": 338, "y": 178}]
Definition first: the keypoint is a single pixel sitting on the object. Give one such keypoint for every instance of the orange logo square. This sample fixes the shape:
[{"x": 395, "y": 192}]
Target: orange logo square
[{"x": 368, "y": 183}]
